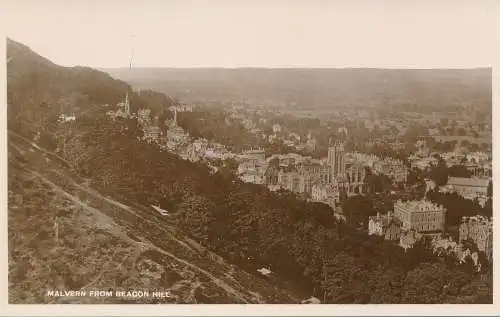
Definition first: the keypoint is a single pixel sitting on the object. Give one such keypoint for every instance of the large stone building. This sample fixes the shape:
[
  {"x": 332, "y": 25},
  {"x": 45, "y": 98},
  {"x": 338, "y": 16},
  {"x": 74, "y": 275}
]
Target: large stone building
[
  {"x": 314, "y": 172},
  {"x": 469, "y": 188},
  {"x": 336, "y": 160},
  {"x": 364, "y": 159},
  {"x": 478, "y": 157},
  {"x": 124, "y": 106},
  {"x": 386, "y": 226},
  {"x": 183, "y": 108},
  {"x": 420, "y": 215},
  {"x": 395, "y": 169},
  {"x": 253, "y": 171},
  {"x": 422, "y": 163},
  {"x": 300, "y": 174},
  {"x": 328, "y": 193},
  {"x": 254, "y": 154},
  {"x": 175, "y": 134},
  {"x": 152, "y": 134},
  {"x": 354, "y": 179},
  {"x": 123, "y": 110},
  {"x": 350, "y": 177},
  {"x": 297, "y": 174},
  {"x": 480, "y": 230},
  {"x": 310, "y": 145},
  {"x": 289, "y": 180},
  {"x": 144, "y": 116},
  {"x": 276, "y": 128}
]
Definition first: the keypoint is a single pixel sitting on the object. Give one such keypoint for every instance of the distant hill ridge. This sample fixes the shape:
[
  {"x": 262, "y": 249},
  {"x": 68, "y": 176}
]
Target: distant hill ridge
[{"x": 322, "y": 87}]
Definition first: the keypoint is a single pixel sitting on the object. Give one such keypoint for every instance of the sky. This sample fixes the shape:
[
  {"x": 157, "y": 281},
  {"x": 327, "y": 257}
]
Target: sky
[{"x": 258, "y": 33}]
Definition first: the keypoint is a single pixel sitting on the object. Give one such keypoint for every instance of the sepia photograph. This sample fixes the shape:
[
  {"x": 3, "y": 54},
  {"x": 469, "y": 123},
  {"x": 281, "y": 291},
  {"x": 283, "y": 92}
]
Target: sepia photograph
[{"x": 248, "y": 152}]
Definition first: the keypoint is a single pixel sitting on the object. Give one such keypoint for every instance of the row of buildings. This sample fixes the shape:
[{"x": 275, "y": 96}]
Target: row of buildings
[
  {"x": 412, "y": 220},
  {"x": 421, "y": 216},
  {"x": 173, "y": 138},
  {"x": 469, "y": 188},
  {"x": 394, "y": 168},
  {"x": 318, "y": 179}
]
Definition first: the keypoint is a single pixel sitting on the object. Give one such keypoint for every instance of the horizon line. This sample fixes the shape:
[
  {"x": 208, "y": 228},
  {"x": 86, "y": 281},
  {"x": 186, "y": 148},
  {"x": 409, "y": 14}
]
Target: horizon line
[
  {"x": 294, "y": 67},
  {"x": 274, "y": 67}
]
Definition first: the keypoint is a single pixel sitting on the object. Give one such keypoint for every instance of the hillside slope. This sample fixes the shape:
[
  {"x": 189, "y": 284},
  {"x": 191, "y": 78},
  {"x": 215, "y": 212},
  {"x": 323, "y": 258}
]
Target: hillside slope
[
  {"x": 65, "y": 235},
  {"x": 103, "y": 244}
]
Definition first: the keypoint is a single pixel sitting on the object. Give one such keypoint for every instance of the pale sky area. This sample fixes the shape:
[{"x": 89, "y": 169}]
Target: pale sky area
[{"x": 244, "y": 33}]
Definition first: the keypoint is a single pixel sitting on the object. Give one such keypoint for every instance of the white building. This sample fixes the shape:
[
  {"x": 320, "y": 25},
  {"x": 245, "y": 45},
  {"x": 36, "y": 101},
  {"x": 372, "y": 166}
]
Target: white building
[
  {"x": 469, "y": 188},
  {"x": 393, "y": 168},
  {"x": 276, "y": 128},
  {"x": 65, "y": 118},
  {"x": 385, "y": 225},
  {"x": 254, "y": 153},
  {"x": 144, "y": 116},
  {"x": 252, "y": 171},
  {"x": 362, "y": 158},
  {"x": 423, "y": 163},
  {"x": 152, "y": 134},
  {"x": 420, "y": 215},
  {"x": 478, "y": 158},
  {"x": 328, "y": 193}
]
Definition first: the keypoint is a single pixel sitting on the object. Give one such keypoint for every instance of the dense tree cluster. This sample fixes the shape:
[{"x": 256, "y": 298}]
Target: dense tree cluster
[
  {"x": 214, "y": 125},
  {"x": 458, "y": 207}
]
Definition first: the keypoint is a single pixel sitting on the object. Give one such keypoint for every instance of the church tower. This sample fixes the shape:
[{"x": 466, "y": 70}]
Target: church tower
[
  {"x": 336, "y": 160},
  {"x": 175, "y": 117},
  {"x": 126, "y": 105}
]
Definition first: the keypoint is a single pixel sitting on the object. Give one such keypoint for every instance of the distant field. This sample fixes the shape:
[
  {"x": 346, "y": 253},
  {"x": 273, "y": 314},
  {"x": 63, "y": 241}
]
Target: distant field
[{"x": 319, "y": 88}]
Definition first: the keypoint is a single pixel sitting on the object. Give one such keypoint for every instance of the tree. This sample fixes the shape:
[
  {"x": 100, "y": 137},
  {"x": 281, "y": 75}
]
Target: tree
[
  {"x": 432, "y": 283},
  {"x": 196, "y": 217},
  {"x": 357, "y": 209},
  {"x": 439, "y": 173},
  {"x": 459, "y": 171},
  {"x": 343, "y": 276}
]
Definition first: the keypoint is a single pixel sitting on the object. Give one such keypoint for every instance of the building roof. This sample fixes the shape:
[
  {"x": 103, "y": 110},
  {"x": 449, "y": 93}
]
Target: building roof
[
  {"x": 471, "y": 182},
  {"x": 386, "y": 220},
  {"x": 419, "y": 205}
]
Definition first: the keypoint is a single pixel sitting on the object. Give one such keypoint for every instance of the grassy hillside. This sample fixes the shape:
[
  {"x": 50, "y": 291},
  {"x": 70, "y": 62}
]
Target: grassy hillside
[{"x": 103, "y": 244}]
